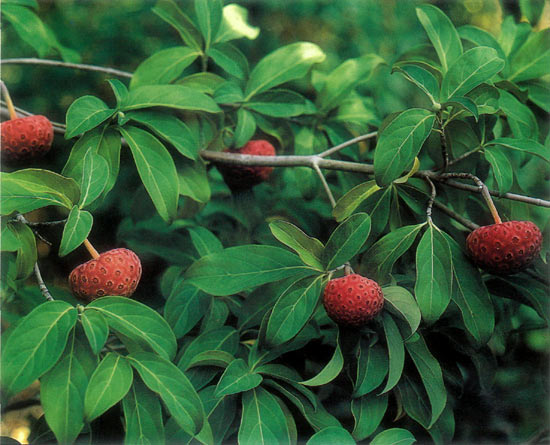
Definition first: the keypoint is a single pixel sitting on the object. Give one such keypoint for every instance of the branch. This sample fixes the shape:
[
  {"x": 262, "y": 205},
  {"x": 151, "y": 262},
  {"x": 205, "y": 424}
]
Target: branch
[
  {"x": 431, "y": 200},
  {"x": 41, "y": 284},
  {"x": 76, "y": 66},
  {"x": 343, "y": 145},
  {"x": 325, "y": 184},
  {"x": 465, "y": 222}
]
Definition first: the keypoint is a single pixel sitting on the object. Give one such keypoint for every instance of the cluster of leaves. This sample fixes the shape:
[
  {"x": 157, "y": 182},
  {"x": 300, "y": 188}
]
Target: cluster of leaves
[{"x": 241, "y": 347}]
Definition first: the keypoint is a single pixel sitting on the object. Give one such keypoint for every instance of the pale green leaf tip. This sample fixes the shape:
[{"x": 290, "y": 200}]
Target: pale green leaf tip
[{"x": 235, "y": 17}]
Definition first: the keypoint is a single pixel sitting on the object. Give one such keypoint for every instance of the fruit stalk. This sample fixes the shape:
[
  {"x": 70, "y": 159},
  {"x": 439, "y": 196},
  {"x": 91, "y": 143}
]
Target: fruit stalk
[
  {"x": 91, "y": 249},
  {"x": 9, "y": 103}
]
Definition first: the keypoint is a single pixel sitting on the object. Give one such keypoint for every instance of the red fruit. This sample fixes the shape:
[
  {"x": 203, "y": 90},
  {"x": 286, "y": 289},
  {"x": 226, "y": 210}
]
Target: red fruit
[
  {"x": 115, "y": 272},
  {"x": 504, "y": 248},
  {"x": 242, "y": 177},
  {"x": 353, "y": 300},
  {"x": 26, "y": 138}
]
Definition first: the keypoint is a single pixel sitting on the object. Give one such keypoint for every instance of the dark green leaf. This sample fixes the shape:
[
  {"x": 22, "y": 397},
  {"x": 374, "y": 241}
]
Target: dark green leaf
[
  {"x": 85, "y": 113},
  {"x": 331, "y": 370},
  {"x": 278, "y": 103},
  {"x": 230, "y": 59},
  {"x": 171, "y": 96},
  {"x": 26, "y": 251},
  {"x": 399, "y": 301},
  {"x": 346, "y": 240},
  {"x": 36, "y": 344},
  {"x": 28, "y": 26},
  {"x": 119, "y": 90},
  {"x": 463, "y": 103},
  {"x": 138, "y": 322},
  {"x": 501, "y": 166},
  {"x": 422, "y": 78},
  {"x": 523, "y": 145},
  {"x": 156, "y": 169},
  {"x": 347, "y": 204},
  {"x": 237, "y": 378},
  {"x": 246, "y": 127},
  {"x": 184, "y": 308},
  {"x": 193, "y": 180},
  {"x": 372, "y": 367},
  {"x": 76, "y": 230},
  {"x": 95, "y": 177},
  {"x": 224, "y": 339},
  {"x": 243, "y": 267},
  {"x": 331, "y": 435},
  {"x": 308, "y": 248},
  {"x": 532, "y": 59},
  {"x": 368, "y": 412},
  {"x": 396, "y": 351},
  {"x": 393, "y": 436},
  {"x": 96, "y": 329},
  {"x": 400, "y": 142},
  {"x": 220, "y": 359},
  {"x": 228, "y": 93},
  {"x": 209, "y": 15},
  {"x": 480, "y": 37},
  {"x": 204, "y": 240},
  {"x": 108, "y": 385},
  {"x": 521, "y": 119},
  {"x": 169, "y": 11},
  {"x": 163, "y": 67}
]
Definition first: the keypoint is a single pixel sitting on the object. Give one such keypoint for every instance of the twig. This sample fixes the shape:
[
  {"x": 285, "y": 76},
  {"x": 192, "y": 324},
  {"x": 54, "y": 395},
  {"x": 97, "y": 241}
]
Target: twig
[
  {"x": 464, "y": 156},
  {"x": 325, "y": 184},
  {"x": 46, "y": 223},
  {"x": 24, "y": 220},
  {"x": 77, "y": 66},
  {"x": 443, "y": 139},
  {"x": 343, "y": 145},
  {"x": 465, "y": 222},
  {"x": 431, "y": 201},
  {"x": 41, "y": 284}
]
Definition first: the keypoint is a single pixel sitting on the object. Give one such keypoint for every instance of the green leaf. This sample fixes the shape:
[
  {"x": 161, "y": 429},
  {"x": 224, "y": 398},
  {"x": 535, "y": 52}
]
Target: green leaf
[
  {"x": 480, "y": 37},
  {"x": 293, "y": 310},
  {"x": 209, "y": 15},
  {"x": 156, "y": 169},
  {"x": 119, "y": 90},
  {"x": 95, "y": 176},
  {"x": 347, "y": 204},
  {"x": 523, "y": 145},
  {"x": 331, "y": 435},
  {"x": 399, "y": 301},
  {"x": 532, "y": 59},
  {"x": 463, "y": 103},
  {"x": 237, "y": 378},
  {"x": 85, "y": 113},
  {"x": 539, "y": 94},
  {"x": 173, "y": 387},
  {"x": 441, "y": 33},
  {"x": 204, "y": 240},
  {"x": 62, "y": 397},
  {"x": 246, "y": 127},
  {"x": 471, "y": 295},
  {"x": 308, "y": 248},
  {"x": 393, "y": 436},
  {"x": 169, "y": 11},
  {"x": 204, "y": 82},
  {"x": 108, "y": 385},
  {"x": 35, "y": 345},
  {"x": 368, "y": 412},
  {"x": 381, "y": 257},
  {"x": 486, "y": 98},
  {"x": 474, "y": 67},
  {"x": 521, "y": 119},
  {"x": 346, "y": 240},
  {"x": 28, "y": 26},
  {"x": 422, "y": 78},
  {"x": 185, "y": 306},
  {"x": 10, "y": 241},
  {"x": 138, "y": 322},
  {"x": 235, "y": 24},
  {"x": 228, "y": 93},
  {"x": 193, "y": 180},
  {"x": 278, "y": 103},
  {"x": 171, "y": 96},
  {"x": 96, "y": 329},
  {"x": 30, "y": 189},
  {"x": 26, "y": 251},
  {"x": 340, "y": 82},
  {"x": 396, "y": 351},
  {"x": 282, "y": 65},
  {"x": 430, "y": 373},
  {"x": 224, "y": 339},
  {"x": 263, "y": 421},
  {"x": 434, "y": 274},
  {"x": 372, "y": 367},
  {"x": 143, "y": 416},
  {"x": 163, "y": 67},
  {"x": 331, "y": 370},
  {"x": 400, "y": 142},
  {"x": 169, "y": 128},
  {"x": 76, "y": 230},
  {"x": 220, "y": 359},
  {"x": 501, "y": 166},
  {"x": 229, "y": 58},
  {"x": 244, "y": 267}
]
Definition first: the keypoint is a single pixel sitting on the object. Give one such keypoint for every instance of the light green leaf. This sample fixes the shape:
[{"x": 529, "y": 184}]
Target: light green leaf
[
  {"x": 193, "y": 180},
  {"x": 169, "y": 11},
  {"x": 119, "y": 90},
  {"x": 246, "y": 127},
  {"x": 209, "y": 15},
  {"x": 85, "y": 113},
  {"x": 28, "y": 26},
  {"x": 347, "y": 204},
  {"x": 521, "y": 119},
  {"x": 156, "y": 169},
  {"x": 229, "y": 58},
  {"x": 502, "y": 168},
  {"x": 138, "y": 322},
  {"x": 108, "y": 385},
  {"x": 393, "y": 436},
  {"x": 163, "y": 67},
  {"x": 96, "y": 329},
  {"x": 400, "y": 142},
  {"x": 331, "y": 435},
  {"x": 26, "y": 251},
  {"x": 396, "y": 351},
  {"x": 422, "y": 78},
  {"x": 237, "y": 378},
  {"x": 480, "y": 37},
  {"x": 278, "y": 102},
  {"x": 523, "y": 145},
  {"x": 171, "y": 96},
  {"x": 531, "y": 61},
  {"x": 204, "y": 240},
  {"x": 184, "y": 308},
  {"x": 76, "y": 230},
  {"x": 35, "y": 345},
  {"x": 400, "y": 301},
  {"x": 235, "y": 24},
  {"x": 346, "y": 240},
  {"x": 463, "y": 103},
  {"x": 368, "y": 412},
  {"x": 95, "y": 176},
  {"x": 372, "y": 367},
  {"x": 243, "y": 267},
  {"x": 308, "y": 248},
  {"x": 331, "y": 370},
  {"x": 282, "y": 65},
  {"x": 224, "y": 339}
]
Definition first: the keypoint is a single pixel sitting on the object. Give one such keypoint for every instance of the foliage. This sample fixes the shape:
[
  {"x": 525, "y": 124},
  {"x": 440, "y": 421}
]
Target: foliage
[{"x": 227, "y": 339}]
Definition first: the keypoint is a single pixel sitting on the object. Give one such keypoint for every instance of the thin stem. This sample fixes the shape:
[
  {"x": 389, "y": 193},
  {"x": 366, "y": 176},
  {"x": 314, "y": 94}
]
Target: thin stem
[
  {"x": 41, "y": 284},
  {"x": 24, "y": 220},
  {"x": 46, "y": 223},
  {"x": 91, "y": 249},
  {"x": 325, "y": 184},
  {"x": 9, "y": 103},
  {"x": 464, "y": 156},
  {"x": 343, "y": 145},
  {"x": 443, "y": 139},
  {"x": 431, "y": 201},
  {"x": 465, "y": 222},
  {"x": 77, "y": 66}
]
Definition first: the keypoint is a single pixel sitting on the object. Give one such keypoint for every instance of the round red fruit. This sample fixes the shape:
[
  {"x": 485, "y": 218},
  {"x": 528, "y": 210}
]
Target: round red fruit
[
  {"x": 353, "y": 300},
  {"x": 243, "y": 177},
  {"x": 504, "y": 248},
  {"x": 115, "y": 272},
  {"x": 26, "y": 138}
]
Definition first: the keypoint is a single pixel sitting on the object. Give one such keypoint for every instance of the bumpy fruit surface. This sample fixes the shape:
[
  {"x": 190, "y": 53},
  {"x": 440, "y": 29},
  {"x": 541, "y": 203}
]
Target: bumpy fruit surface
[
  {"x": 242, "y": 177},
  {"x": 26, "y": 138},
  {"x": 115, "y": 272},
  {"x": 353, "y": 300},
  {"x": 504, "y": 248}
]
